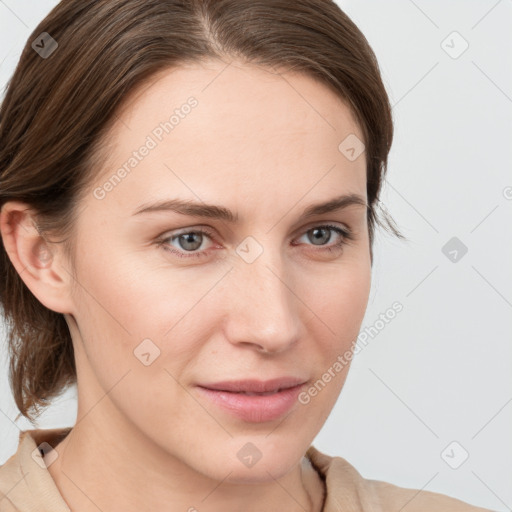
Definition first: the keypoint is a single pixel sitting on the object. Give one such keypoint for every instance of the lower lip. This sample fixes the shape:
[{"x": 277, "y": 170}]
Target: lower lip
[{"x": 254, "y": 408}]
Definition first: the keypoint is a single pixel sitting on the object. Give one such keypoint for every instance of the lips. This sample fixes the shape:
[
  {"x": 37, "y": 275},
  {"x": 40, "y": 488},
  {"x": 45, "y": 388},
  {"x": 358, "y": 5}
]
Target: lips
[
  {"x": 254, "y": 401},
  {"x": 254, "y": 386}
]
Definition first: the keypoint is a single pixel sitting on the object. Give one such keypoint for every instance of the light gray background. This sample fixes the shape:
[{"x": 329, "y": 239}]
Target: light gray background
[{"x": 440, "y": 371}]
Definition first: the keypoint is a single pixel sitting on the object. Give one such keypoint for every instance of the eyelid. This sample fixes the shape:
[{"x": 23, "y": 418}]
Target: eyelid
[
  {"x": 322, "y": 223},
  {"x": 211, "y": 233},
  {"x": 345, "y": 232},
  {"x": 161, "y": 240}
]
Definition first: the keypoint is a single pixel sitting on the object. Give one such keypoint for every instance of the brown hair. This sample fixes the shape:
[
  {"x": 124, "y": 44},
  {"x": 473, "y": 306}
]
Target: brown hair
[{"x": 57, "y": 111}]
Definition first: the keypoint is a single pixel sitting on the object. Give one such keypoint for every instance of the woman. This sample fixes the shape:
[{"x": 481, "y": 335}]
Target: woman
[{"x": 169, "y": 172}]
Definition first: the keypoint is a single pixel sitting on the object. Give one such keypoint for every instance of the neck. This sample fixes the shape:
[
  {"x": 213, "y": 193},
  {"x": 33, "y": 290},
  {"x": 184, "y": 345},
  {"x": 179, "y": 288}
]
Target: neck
[{"x": 110, "y": 466}]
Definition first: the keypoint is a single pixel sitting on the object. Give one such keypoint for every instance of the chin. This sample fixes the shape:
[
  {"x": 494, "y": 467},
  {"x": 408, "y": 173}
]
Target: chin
[{"x": 260, "y": 458}]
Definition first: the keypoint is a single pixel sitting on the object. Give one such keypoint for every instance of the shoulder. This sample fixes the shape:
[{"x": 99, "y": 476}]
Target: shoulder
[
  {"x": 11, "y": 477},
  {"x": 390, "y": 497},
  {"x": 348, "y": 490},
  {"x": 25, "y": 482}
]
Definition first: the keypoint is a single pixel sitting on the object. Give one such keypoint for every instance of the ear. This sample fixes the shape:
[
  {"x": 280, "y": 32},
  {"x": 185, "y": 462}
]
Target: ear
[{"x": 39, "y": 263}]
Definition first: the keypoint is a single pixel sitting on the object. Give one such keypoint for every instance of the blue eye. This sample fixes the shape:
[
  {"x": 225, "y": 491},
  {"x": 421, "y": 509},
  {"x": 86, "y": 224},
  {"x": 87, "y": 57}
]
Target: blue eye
[
  {"x": 190, "y": 241},
  {"x": 318, "y": 231}
]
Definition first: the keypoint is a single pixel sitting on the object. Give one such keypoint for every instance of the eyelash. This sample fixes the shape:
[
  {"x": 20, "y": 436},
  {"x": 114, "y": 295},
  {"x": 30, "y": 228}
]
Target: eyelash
[{"x": 346, "y": 236}]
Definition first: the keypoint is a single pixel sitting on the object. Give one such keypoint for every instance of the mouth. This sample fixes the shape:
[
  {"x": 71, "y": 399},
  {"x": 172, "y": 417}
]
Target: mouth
[
  {"x": 249, "y": 393},
  {"x": 255, "y": 386},
  {"x": 253, "y": 400}
]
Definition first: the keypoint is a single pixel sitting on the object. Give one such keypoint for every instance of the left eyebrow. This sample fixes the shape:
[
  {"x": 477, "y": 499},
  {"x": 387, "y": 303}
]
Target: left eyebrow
[
  {"x": 336, "y": 204},
  {"x": 212, "y": 211}
]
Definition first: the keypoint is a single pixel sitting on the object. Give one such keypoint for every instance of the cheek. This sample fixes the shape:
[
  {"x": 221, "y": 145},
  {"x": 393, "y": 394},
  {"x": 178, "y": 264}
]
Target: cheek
[
  {"x": 133, "y": 327},
  {"x": 338, "y": 303},
  {"x": 123, "y": 303},
  {"x": 339, "y": 307}
]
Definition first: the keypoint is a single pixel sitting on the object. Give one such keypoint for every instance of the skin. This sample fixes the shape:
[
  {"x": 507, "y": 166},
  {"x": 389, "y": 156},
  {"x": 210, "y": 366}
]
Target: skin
[{"x": 265, "y": 146}]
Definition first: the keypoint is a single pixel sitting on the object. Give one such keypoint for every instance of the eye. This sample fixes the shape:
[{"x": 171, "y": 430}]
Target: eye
[
  {"x": 190, "y": 241},
  {"x": 321, "y": 235}
]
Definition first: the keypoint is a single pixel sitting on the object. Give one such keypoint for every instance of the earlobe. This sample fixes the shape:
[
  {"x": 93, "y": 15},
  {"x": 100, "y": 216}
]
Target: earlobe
[{"x": 33, "y": 257}]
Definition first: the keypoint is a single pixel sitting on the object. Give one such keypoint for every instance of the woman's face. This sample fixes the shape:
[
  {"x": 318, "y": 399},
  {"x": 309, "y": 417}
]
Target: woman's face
[{"x": 259, "y": 296}]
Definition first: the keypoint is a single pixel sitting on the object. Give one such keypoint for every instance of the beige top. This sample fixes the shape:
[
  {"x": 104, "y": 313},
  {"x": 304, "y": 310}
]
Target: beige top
[{"x": 26, "y": 485}]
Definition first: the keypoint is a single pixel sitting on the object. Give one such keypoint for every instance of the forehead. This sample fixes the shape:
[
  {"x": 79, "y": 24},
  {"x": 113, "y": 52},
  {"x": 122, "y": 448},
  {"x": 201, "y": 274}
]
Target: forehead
[
  {"x": 256, "y": 96},
  {"x": 249, "y": 132}
]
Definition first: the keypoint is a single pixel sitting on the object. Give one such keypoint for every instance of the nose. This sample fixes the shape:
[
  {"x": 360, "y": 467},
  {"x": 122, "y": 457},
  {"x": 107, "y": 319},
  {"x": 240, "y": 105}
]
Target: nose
[{"x": 262, "y": 310}]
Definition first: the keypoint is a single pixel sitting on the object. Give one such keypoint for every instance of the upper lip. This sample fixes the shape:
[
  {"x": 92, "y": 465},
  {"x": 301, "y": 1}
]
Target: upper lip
[{"x": 255, "y": 385}]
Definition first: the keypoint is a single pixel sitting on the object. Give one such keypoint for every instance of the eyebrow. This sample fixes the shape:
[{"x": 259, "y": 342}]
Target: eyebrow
[{"x": 211, "y": 211}]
